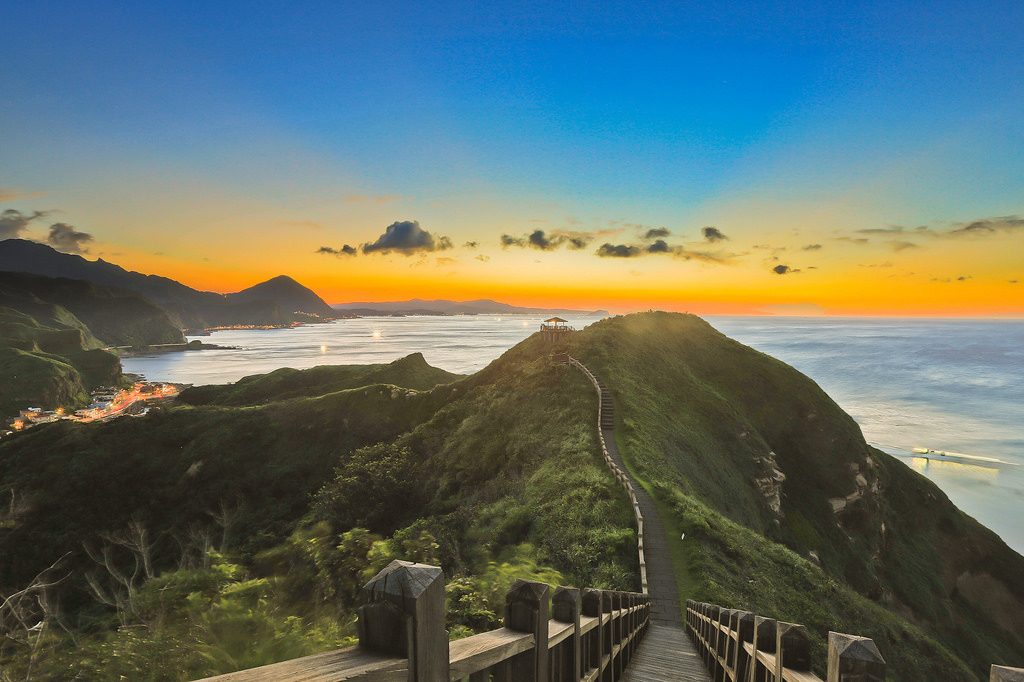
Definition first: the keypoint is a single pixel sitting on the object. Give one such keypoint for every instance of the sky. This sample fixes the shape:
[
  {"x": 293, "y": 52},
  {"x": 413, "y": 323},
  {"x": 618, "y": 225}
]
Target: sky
[{"x": 835, "y": 158}]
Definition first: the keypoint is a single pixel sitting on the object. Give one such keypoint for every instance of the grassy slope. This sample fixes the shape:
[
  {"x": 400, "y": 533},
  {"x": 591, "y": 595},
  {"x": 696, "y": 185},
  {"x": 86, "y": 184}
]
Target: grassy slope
[
  {"x": 498, "y": 468},
  {"x": 700, "y": 415},
  {"x": 116, "y": 317},
  {"x": 49, "y": 359},
  {"x": 410, "y": 372}
]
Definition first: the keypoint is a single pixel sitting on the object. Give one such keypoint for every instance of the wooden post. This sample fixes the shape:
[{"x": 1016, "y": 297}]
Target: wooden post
[
  {"x": 1001, "y": 673},
  {"x": 405, "y": 616},
  {"x": 854, "y": 659},
  {"x": 744, "y": 633},
  {"x": 526, "y": 610},
  {"x": 608, "y": 636},
  {"x": 764, "y": 640},
  {"x": 566, "y": 607},
  {"x": 792, "y": 648},
  {"x": 592, "y": 608}
]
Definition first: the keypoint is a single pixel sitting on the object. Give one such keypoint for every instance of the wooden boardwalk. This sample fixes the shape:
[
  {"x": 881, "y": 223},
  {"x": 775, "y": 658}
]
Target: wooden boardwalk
[{"x": 665, "y": 653}]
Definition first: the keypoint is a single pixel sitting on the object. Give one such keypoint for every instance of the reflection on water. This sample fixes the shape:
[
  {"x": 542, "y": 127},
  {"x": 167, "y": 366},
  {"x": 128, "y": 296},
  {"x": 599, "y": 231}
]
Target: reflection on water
[
  {"x": 981, "y": 472},
  {"x": 946, "y": 385}
]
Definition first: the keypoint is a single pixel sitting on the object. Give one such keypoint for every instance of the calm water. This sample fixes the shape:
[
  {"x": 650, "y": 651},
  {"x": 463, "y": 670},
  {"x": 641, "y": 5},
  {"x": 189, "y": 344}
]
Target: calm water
[{"x": 946, "y": 385}]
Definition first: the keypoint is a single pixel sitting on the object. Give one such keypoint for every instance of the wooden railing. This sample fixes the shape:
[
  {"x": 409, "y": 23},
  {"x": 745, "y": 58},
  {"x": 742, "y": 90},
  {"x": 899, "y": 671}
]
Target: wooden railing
[
  {"x": 741, "y": 647},
  {"x": 616, "y": 470},
  {"x": 738, "y": 646},
  {"x": 571, "y": 635}
]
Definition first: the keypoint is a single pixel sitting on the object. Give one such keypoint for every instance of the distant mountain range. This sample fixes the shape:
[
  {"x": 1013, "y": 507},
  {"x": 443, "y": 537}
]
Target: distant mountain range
[
  {"x": 483, "y": 306},
  {"x": 280, "y": 300}
]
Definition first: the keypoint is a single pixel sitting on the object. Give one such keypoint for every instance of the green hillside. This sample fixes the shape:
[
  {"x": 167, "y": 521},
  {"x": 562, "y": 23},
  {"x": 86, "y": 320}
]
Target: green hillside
[
  {"x": 727, "y": 437},
  {"x": 411, "y": 371},
  {"x": 263, "y": 505},
  {"x": 115, "y": 317},
  {"x": 51, "y": 361}
]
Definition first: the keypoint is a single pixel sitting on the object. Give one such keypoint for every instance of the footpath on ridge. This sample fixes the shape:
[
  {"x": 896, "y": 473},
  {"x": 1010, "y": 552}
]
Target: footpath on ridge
[{"x": 665, "y": 653}]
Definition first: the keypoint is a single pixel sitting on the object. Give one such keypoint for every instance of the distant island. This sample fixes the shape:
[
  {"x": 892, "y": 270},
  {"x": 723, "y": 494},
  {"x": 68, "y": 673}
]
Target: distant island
[{"x": 418, "y": 306}]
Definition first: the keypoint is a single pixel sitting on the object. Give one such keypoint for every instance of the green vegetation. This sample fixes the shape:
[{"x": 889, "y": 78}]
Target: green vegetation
[
  {"x": 748, "y": 455},
  {"x": 249, "y": 515},
  {"x": 51, "y": 361},
  {"x": 410, "y": 372},
  {"x": 293, "y": 504}
]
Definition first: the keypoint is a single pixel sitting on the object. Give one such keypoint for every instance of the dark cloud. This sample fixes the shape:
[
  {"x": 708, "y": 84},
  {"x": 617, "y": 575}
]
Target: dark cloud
[
  {"x": 619, "y": 251},
  {"x": 539, "y": 240},
  {"x": 407, "y": 237},
  {"x": 853, "y": 240},
  {"x": 713, "y": 234},
  {"x": 543, "y": 241},
  {"x": 471, "y": 245},
  {"x": 659, "y": 247},
  {"x": 784, "y": 270},
  {"x": 901, "y": 245},
  {"x": 14, "y": 222},
  {"x": 988, "y": 226},
  {"x": 66, "y": 238},
  {"x": 897, "y": 229},
  {"x": 482, "y": 258},
  {"x": 977, "y": 228},
  {"x": 345, "y": 250},
  {"x": 657, "y": 233},
  {"x": 963, "y": 278},
  {"x": 813, "y": 247},
  {"x": 1013, "y": 281}
]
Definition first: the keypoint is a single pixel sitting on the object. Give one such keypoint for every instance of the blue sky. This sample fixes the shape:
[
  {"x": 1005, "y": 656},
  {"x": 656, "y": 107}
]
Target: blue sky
[{"x": 654, "y": 113}]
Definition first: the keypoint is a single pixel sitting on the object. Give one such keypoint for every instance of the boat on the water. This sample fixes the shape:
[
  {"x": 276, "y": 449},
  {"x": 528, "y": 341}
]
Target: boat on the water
[{"x": 962, "y": 458}]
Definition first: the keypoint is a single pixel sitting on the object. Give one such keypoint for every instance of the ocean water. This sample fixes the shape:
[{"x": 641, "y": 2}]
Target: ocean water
[{"x": 951, "y": 385}]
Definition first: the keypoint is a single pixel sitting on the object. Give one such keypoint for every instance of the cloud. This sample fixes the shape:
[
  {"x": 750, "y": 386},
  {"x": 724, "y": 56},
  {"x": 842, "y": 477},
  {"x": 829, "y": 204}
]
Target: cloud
[
  {"x": 345, "y": 250},
  {"x": 657, "y": 233},
  {"x": 619, "y": 251},
  {"x": 713, "y": 234},
  {"x": 853, "y": 240},
  {"x": 446, "y": 260},
  {"x": 66, "y": 238},
  {"x": 896, "y": 229},
  {"x": 784, "y": 270},
  {"x": 407, "y": 237},
  {"x": 813, "y": 247},
  {"x": 471, "y": 245},
  {"x": 982, "y": 227},
  {"x": 659, "y": 247},
  {"x": 988, "y": 226},
  {"x": 963, "y": 278},
  {"x": 1013, "y": 281},
  {"x": 482, "y": 258},
  {"x": 543, "y": 241},
  {"x": 900, "y": 245},
  {"x": 14, "y": 222}
]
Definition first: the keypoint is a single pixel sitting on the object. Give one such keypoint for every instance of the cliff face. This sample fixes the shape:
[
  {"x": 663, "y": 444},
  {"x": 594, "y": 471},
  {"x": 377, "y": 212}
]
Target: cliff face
[{"x": 753, "y": 440}]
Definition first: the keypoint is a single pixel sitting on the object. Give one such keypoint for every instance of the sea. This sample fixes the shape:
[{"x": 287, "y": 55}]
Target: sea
[{"x": 947, "y": 385}]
